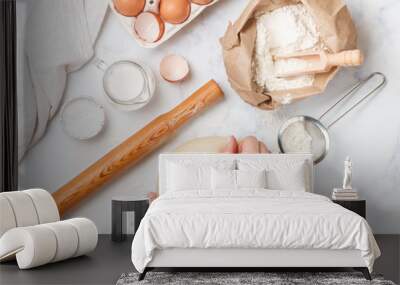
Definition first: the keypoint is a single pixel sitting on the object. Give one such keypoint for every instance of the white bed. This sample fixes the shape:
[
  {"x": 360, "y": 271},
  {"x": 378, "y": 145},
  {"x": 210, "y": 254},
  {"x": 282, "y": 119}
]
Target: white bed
[{"x": 280, "y": 225}]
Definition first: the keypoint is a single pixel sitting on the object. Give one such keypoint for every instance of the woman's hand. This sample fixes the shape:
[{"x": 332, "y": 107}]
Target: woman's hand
[
  {"x": 152, "y": 196},
  {"x": 249, "y": 144}
]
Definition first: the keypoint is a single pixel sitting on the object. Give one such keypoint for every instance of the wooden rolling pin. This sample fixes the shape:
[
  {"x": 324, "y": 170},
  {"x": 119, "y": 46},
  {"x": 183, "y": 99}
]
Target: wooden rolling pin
[
  {"x": 136, "y": 147},
  {"x": 319, "y": 61}
]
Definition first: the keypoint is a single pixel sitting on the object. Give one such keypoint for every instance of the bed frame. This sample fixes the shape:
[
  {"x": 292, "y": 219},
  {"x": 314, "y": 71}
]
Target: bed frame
[{"x": 236, "y": 259}]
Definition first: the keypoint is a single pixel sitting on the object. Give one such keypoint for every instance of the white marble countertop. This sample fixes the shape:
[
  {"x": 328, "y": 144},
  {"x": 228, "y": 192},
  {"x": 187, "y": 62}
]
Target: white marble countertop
[{"x": 370, "y": 135}]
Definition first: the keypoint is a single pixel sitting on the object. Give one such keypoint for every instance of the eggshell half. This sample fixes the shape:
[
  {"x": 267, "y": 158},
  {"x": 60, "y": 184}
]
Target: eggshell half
[
  {"x": 175, "y": 11},
  {"x": 129, "y": 8},
  {"x": 174, "y": 68},
  {"x": 202, "y": 2},
  {"x": 149, "y": 27}
]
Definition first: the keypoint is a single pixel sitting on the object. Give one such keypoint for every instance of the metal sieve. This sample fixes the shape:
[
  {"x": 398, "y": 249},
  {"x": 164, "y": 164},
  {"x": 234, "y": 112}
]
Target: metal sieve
[{"x": 316, "y": 129}]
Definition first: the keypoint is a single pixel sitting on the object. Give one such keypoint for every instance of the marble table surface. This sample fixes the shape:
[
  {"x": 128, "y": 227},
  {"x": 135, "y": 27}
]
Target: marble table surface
[{"x": 370, "y": 135}]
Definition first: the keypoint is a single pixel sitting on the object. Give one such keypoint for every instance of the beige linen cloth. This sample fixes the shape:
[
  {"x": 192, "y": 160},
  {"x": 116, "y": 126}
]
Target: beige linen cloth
[{"x": 59, "y": 38}]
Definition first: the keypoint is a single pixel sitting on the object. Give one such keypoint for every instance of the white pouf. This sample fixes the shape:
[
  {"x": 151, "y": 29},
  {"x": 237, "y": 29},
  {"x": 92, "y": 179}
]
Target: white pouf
[
  {"x": 23, "y": 208},
  {"x": 37, "y": 245},
  {"x": 32, "y": 246},
  {"x": 67, "y": 237},
  {"x": 87, "y": 233},
  {"x": 26, "y": 208},
  {"x": 7, "y": 219},
  {"x": 46, "y": 207}
]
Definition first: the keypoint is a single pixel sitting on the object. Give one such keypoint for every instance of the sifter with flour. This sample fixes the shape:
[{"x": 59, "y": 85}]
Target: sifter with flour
[{"x": 305, "y": 134}]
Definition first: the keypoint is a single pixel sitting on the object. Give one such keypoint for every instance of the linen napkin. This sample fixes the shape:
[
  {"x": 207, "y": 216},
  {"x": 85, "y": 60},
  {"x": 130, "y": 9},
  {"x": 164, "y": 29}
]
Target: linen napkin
[{"x": 60, "y": 38}]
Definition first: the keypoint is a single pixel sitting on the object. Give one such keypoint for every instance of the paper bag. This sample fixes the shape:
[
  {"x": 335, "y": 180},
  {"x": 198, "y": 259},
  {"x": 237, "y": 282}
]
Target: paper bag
[{"x": 337, "y": 31}]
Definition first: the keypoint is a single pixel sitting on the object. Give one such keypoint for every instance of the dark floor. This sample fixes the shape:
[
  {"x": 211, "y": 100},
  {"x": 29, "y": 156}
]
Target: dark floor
[
  {"x": 110, "y": 260},
  {"x": 103, "y": 266}
]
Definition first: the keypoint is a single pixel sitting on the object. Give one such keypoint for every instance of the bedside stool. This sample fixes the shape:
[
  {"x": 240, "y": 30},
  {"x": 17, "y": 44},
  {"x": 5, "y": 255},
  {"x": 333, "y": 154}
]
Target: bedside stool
[
  {"x": 136, "y": 204},
  {"x": 356, "y": 206}
]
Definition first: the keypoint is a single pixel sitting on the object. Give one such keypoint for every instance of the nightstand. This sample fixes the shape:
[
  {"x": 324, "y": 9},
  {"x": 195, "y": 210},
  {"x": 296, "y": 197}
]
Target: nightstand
[
  {"x": 357, "y": 206},
  {"x": 127, "y": 205}
]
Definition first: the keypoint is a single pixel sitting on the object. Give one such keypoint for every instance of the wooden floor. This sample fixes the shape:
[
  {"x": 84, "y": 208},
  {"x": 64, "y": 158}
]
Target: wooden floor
[{"x": 110, "y": 260}]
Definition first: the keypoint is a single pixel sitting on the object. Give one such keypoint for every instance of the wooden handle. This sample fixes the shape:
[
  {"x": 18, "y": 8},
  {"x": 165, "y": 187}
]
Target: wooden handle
[
  {"x": 346, "y": 58},
  {"x": 135, "y": 147}
]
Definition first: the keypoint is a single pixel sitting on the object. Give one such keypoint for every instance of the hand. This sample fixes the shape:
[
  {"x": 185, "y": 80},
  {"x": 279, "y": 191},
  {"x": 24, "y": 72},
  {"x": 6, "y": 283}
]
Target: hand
[
  {"x": 249, "y": 144},
  {"x": 152, "y": 196}
]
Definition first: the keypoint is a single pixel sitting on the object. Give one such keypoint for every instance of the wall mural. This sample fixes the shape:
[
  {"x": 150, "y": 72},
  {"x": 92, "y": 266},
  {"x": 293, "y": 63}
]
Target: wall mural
[{"x": 117, "y": 70}]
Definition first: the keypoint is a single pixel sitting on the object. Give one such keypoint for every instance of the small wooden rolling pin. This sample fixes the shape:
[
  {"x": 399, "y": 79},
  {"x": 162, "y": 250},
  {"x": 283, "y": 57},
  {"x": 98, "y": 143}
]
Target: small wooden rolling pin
[
  {"x": 320, "y": 61},
  {"x": 136, "y": 147}
]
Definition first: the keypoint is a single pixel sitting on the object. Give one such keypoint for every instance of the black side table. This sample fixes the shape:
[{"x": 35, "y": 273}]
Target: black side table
[
  {"x": 138, "y": 205},
  {"x": 356, "y": 206}
]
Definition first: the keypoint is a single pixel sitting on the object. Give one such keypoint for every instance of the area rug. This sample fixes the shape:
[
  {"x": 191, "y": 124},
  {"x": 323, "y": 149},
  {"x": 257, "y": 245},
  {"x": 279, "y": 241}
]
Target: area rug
[{"x": 244, "y": 278}]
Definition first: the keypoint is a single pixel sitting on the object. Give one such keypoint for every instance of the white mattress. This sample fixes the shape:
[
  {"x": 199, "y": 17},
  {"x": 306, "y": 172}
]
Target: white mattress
[{"x": 252, "y": 218}]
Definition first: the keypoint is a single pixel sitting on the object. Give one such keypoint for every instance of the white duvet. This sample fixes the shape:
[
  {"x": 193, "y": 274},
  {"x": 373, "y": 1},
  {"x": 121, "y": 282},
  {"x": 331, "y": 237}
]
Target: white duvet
[{"x": 253, "y": 218}]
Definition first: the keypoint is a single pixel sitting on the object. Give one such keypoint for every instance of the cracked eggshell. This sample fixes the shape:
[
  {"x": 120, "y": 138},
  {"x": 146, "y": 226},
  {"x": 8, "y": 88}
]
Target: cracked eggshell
[
  {"x": 174, "y": 68},
  {"x": 149, "y": 27}
]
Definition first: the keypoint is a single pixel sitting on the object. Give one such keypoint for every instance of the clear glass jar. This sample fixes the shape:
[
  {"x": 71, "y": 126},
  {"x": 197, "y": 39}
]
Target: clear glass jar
[{"x": 128, "y": 85}]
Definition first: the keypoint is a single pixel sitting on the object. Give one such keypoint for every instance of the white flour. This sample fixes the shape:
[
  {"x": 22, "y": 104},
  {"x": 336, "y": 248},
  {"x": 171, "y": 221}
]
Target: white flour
[
  {"x": 282, "y": 31},
  {"x": 297, "y": 139},
  {"x": 304, "y": 137}
]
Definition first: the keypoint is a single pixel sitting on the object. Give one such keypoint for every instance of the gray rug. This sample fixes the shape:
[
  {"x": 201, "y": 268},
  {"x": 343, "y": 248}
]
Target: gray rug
[{"x": 268, "y": 278}]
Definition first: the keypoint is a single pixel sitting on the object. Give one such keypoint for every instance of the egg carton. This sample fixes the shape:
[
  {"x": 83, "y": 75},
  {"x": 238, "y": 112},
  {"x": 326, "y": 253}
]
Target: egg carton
[{"x": 170, "y": 29}]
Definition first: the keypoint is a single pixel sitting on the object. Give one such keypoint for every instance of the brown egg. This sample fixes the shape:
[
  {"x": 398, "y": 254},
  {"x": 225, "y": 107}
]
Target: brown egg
[
  {"x": 175, "y": 11},
  {"x": 202, "y": 2},
  {"x": 129, "y": 8}
]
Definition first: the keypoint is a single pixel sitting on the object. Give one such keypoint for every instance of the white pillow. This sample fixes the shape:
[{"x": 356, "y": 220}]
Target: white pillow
[
  {"x": 191, "y": 174},
  {"x": 251, "y": 178},
  {"x": 287, "y": 174},
  {"x": 237, "y": 179},
  {"x": 223, "y": 179},
  {"x": 181, "y": 178},
  {"x": 293, "y": 179}
]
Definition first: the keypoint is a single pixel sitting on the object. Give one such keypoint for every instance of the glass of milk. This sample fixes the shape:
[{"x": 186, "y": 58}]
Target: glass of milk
[{"x": 128, "y": 85}]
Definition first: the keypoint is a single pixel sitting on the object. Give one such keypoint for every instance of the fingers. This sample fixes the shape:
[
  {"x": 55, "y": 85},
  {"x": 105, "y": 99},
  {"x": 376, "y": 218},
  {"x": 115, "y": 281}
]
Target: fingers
[
  {"x": 231, "y": 146},
  {"x": 249, "y": 145},
  {"x": 263, "y": 148}
]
